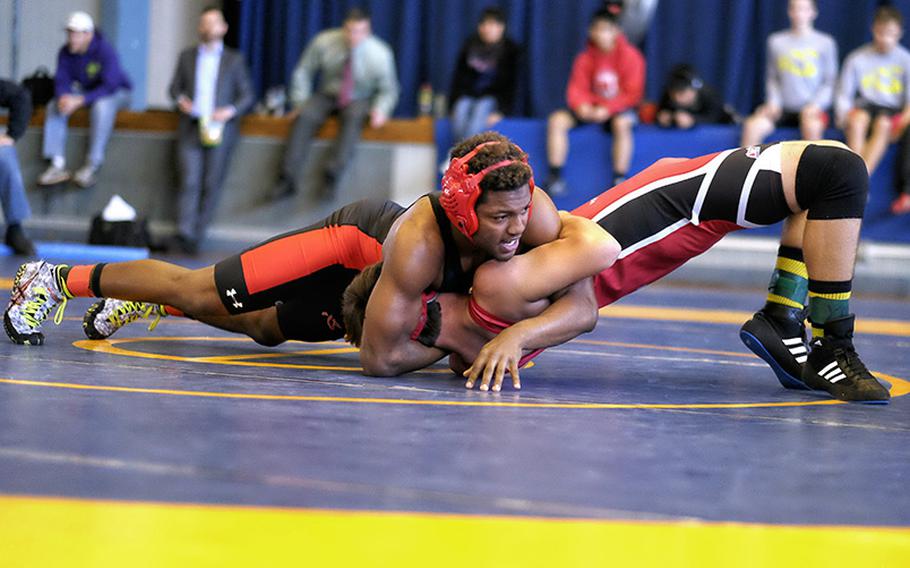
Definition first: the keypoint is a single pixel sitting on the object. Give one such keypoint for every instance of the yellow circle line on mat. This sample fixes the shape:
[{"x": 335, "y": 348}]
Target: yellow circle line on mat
[
  {"x": 899, "y": 387},
  {"x": 109, "y": 346}
]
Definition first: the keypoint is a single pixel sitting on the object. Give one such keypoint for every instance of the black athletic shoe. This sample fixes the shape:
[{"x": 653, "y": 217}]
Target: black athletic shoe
[
  {"x": 777, "y": 334},
  {"x": 16, "y": 240},
  {"x": 835, "y": 367},
  {"x": 284, "y": 189},
  {"x": 556, "y": 186}
]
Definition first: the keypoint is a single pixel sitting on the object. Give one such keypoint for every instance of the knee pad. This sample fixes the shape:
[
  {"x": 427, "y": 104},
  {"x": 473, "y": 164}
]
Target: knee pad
[{"x": 832, "y": 183}]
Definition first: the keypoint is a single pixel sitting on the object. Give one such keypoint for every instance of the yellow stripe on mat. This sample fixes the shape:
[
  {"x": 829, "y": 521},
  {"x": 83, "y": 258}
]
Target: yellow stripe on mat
[
  {"x": 66, "y": 532},
  {"x": 864, "y": 325}
]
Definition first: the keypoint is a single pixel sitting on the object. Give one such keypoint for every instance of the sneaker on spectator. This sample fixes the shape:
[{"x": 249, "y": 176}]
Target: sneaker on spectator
[
  {"x": 329, "y": 185},
  {"x": 901, "y": 205},
  {"x": 18, "y": 241},
  {"x": 85, "y": 176},
  {"x": 556, "y": 186},
  {"x": 284, "y": 188},
  {"x": 53, "y": 175}
]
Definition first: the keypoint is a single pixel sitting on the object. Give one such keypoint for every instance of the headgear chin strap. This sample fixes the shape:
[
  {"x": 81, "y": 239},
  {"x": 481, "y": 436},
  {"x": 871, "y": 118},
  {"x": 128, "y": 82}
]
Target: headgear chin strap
[{"x": 461, "y": 190}]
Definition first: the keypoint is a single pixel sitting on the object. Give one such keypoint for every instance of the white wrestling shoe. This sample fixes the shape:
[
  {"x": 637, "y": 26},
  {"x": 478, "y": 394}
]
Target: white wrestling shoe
[{"x": 106, "y": 316}]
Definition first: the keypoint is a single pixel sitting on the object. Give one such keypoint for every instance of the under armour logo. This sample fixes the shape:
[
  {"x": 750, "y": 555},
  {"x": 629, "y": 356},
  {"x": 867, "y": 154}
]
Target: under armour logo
[
  {"x": 331, "y": 321},
  {"x": 233, "y": 294},
  {"x": 753, "y": 152}
]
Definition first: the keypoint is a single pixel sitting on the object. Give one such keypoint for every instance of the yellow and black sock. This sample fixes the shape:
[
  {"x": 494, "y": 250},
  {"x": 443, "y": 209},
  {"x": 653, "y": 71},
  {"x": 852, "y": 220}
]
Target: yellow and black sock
[
  {"x": 789, "y": 284},
  {"x": 828, "y": 301}
]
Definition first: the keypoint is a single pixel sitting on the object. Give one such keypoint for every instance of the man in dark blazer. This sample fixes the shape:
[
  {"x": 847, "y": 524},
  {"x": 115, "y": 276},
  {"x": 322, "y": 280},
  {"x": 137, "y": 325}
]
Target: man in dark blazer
[{"x": 212, "y": 89}]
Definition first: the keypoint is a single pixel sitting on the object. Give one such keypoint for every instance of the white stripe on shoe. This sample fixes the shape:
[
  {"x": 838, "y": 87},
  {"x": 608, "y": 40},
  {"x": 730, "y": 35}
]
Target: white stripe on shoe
[
  {"x": 839, "y": 377},
  {"x": 827, "y": 368}
]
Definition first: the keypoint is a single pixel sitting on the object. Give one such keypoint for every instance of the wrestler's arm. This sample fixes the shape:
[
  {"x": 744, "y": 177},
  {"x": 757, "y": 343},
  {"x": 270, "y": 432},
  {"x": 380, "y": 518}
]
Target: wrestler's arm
[
  {"x": 395, "y": 305},
  {"x": 583, "y": 249},
  {"x": 544, "y": 226},
  {"x": 560, "y": 270}
]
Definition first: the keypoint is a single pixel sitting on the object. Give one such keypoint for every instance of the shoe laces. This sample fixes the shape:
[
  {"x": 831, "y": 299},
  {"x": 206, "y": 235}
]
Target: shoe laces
[
  {"x": 34, "y": 312},
  {"x": 853, "y": 365},
  {"x": 128, "y": 312}
]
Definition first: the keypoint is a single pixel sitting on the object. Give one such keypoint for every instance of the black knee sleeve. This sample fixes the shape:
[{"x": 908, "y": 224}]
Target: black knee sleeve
[{"x": 832, "y": 183}]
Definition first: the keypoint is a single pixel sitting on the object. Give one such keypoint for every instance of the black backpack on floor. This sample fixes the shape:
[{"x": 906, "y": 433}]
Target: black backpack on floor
[
  {"x": 119, "y": 233},
  {"x": 41, "y": 85}
]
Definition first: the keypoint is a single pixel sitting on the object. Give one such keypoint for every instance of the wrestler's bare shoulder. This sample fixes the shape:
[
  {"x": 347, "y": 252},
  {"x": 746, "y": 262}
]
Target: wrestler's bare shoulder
[{"x": 415, "y": 229}]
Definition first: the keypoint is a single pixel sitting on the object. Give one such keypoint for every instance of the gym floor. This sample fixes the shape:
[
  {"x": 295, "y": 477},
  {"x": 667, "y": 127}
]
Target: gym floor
[{"x": 658, "y": 438}]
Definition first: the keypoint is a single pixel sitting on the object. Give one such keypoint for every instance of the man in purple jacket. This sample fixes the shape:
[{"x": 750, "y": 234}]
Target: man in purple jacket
[{"x": 88, "y": 75}]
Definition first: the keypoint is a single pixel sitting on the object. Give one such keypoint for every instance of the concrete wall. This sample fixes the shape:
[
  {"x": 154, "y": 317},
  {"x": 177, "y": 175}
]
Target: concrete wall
[
  {"x": 172, "y": 27},
  {"x": 139, "y": 166},
  {"x": 6, "y": 37}
]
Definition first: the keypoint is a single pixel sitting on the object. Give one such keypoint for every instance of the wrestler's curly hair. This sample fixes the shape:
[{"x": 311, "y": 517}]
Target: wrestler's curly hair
[
  {"x": 354, "y": 302},
  {"x": 354, "y": 308},
  {"x": 508, "y": 178}
]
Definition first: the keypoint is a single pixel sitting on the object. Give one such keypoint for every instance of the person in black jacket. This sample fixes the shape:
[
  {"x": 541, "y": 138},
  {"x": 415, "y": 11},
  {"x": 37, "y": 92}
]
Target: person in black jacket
[
  {"x": 483, "y": 86},
  {"x": 687, "y": 101},
  {"x": 12, "y": 192}
]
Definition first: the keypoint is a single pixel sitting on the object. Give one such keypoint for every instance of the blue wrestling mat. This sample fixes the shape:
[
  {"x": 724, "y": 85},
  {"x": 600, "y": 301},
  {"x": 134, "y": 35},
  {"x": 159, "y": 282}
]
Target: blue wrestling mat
[{"x": 658, "y": 438}]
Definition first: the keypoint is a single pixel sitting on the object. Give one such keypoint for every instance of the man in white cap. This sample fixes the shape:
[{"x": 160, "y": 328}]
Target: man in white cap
[{"x": 88, "y": 75}]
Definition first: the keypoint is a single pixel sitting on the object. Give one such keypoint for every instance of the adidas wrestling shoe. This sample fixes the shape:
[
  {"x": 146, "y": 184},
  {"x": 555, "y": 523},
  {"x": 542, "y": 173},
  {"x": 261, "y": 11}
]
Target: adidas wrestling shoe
[
  {"x": 777, "y": 334},
  {"x": 106, "y": 316},
  {"x": 835, "y": 367},
  {"x": 37, "y": 289}
]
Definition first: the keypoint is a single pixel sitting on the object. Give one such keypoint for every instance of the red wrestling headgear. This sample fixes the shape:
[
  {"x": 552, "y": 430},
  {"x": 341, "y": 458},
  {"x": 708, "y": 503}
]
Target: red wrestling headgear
[{"x": 461, "y": 190}]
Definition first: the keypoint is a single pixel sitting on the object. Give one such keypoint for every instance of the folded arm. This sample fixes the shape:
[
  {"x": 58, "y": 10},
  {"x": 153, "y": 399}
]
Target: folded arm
[
  {"x": 559, "y": 271},
  {"x": 394, "y": 308}
]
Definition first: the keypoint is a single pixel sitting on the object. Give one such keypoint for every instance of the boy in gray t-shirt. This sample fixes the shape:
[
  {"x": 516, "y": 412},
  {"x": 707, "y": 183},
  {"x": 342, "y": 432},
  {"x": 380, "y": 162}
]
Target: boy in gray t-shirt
[
  {"x": 873, "y": 96},
  {"x": 800, "y": 75}
]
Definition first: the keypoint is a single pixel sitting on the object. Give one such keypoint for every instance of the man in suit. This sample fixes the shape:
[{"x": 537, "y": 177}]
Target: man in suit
[
  {"x": 212, "y": 89},
  {"x": 358, "y": 82}
]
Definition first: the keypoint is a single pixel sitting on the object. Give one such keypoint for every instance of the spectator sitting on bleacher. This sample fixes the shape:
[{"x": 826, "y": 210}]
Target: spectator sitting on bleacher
[
  {"x": 357, "y": 80},
  {"x": 800, "y": 77},
  {"x": 483, "y": 86},
  {"x": 12, "y": 192},
  {"x": 88, "y": 75},
  {"x": 873, "y": 97},
  {"x": 687, "y": 101},
  {"x": 606, "y": 85}
]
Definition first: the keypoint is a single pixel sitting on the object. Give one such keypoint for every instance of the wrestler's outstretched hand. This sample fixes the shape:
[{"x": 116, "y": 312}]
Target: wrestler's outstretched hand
[{"x": 500, "y": 354}]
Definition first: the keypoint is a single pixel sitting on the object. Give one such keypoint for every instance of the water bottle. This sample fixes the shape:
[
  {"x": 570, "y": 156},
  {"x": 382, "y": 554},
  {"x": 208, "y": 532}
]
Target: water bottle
[{"x": 425, "y": 99}]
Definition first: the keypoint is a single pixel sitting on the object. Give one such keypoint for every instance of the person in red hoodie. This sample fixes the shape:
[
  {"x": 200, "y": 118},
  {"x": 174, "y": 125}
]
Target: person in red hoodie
[{"x": 607, "y": 83}]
